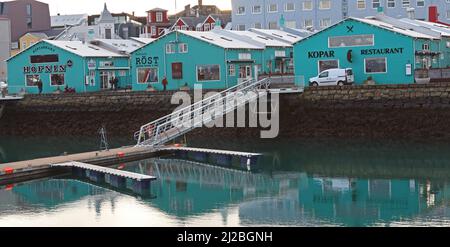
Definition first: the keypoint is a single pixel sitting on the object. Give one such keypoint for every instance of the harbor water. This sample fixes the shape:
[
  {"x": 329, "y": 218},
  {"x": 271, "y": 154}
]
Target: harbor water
[{"x": 297, "y": 183}]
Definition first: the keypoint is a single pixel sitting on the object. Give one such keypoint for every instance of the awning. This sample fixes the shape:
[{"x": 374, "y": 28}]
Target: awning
[
  {"x": 114, "y": 68},
  {"x": 241, "y": 61}
]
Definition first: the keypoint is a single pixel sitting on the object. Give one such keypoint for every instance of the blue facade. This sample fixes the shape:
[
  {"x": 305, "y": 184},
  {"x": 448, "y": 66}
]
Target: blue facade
[
  {"x": 387, "y": 58},
  {"x": 319, "y": 14},
  {"x": 59, "y": 68}
]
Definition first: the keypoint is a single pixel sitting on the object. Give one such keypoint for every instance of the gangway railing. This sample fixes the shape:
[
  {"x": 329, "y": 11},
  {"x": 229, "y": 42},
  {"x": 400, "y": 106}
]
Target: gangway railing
[{"x": 186, "y": 119}]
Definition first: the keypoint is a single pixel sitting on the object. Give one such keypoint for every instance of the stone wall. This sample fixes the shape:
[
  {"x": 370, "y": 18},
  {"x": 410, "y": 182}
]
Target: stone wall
[{"x": 376, "y": 112}]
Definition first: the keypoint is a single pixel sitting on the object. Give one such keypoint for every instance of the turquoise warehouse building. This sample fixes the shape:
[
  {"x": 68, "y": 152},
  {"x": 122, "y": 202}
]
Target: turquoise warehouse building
[
  {"x": 59, "y": 64},
  {"x": 386, "y": 50},
  {"x": 217, "y": 59}
]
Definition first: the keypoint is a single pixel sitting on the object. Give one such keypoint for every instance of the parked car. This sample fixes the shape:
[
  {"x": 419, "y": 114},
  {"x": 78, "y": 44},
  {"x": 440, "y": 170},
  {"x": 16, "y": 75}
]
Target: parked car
[
  {"x": 3, "y": 89},
  {"x": 333, "y": 77}
]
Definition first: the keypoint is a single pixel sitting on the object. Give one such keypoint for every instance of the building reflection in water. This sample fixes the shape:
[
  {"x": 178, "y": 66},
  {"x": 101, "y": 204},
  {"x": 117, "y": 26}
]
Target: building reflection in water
[{"x": 186, "y": 189}]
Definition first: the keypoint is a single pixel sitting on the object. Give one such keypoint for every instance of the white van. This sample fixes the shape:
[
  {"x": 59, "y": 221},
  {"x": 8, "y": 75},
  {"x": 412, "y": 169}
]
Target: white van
[{"x": 333, "y": 77}]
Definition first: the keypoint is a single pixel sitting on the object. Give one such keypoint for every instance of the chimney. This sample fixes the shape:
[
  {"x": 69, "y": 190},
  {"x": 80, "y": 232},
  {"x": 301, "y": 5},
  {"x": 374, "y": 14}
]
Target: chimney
[
  {"x": 433, "y": 15},
  {"x": 200, "y": 3}
]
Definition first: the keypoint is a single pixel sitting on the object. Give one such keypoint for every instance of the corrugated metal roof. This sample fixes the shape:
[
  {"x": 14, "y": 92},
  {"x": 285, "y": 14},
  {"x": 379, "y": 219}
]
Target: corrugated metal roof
[
  {"x": 221, "y": 40},
  {"x": 279, "y": 34},
  {"x": 82, "y": 49},
  {"x": 393, "y": 28}
]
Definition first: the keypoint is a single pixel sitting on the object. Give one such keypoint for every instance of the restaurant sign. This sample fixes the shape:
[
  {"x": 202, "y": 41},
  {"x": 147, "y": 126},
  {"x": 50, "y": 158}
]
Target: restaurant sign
[{"x": 44, "y": 69}]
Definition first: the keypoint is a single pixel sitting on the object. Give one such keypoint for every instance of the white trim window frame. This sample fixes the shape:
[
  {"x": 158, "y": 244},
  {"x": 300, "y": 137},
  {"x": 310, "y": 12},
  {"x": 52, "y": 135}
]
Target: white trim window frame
[
  {"x": 375, "y": 58},
  {"x": 204, "y": 65}
]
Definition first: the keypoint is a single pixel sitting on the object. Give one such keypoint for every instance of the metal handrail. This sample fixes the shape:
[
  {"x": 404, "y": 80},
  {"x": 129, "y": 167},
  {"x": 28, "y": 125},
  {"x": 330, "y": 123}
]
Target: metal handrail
[{"x": 149, "y": 134}]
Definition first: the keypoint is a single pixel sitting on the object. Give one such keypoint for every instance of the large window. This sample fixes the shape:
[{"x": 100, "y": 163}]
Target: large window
[
  {"x": 328, "y": 64},
  {"x": 240, "y": 10},
  {"x": 406, "y": 3},
  {"x": 376, "y": 4},
  {"x": 272, "y": 8},
  {"x": 273, "y": 25},
  {"x": 326, "y": 22},
  {"x": 256, "y": 9},
  {"x": 183, "y": 48},
  {"x": 325, "y": 4},
  {"x": 351, "y": 40},
  {"x": 170, "y": 48},
  {"x": 375, "y": 65},
  {"x": 361, "y": 4},
  {"x": 147, "y": 75},
  {"x": 159, "y": 17},
  {"x": 245, "y": 56},
  {"x": 208, "y": 72},
  {"x": 421, "y": 3},
  {"x": 291, "y": 24},
  {"x": 289, "y": 7},
  {"x": 308, "y": 23},
  {"x": 32, "y": 80},
  {"x": 308, "y": 5},
  {"x": 177, "y": 71},
  {"x": 391, "y": 3},
  {"x": 44, "y": 59},
  {"x": 232, "y": 70},
  {"x": 57, "y": 79}
]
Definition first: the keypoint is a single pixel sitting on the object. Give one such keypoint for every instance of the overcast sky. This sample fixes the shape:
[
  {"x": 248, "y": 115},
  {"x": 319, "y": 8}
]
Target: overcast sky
[{"x": 138, "y": 6}]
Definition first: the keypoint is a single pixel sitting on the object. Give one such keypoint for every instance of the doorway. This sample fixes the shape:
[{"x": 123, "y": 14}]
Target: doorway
[
  {"x": 245, "y": 73},
  {"x": 105, "y": 77}
]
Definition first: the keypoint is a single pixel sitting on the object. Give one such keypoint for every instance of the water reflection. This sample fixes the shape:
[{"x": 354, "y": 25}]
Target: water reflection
[{"x": 308, "y": 194}]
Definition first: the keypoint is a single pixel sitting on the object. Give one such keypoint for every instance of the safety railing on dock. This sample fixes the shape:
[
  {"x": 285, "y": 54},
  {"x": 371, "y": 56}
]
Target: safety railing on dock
[{"x": 186, "y": 119}]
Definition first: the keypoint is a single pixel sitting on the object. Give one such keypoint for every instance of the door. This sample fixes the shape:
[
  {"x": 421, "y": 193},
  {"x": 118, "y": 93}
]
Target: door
[
  {"x": 324, "y": 79},
  {"x": 245, "y": 73},
  {"x": 105, "y": 78}
]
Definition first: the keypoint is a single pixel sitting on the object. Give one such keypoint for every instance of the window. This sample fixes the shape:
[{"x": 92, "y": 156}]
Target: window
[
  {"x": 153, "y": 30},
  {"x": 24, "y": 45},
  {"x": 328, "y": 64},
  {"x": 257, "y": 25},
  {"x": 406, "y": 3},
  {"x": 375, "y": 65},
  {"x": 426, "y": 47},
  {"x": 240, "y": 27},
  {"x": 232, "y": 70},
  {"x": 240, "y": 10},
  {"x": 351, "y": 40},
  {"x": 256, "y": 9},
  {"x": 170, "y": 48},
  {"x": 183, "y": 48},
  {"x": 245, "y": 56},
  {"x": 29, "y": 10},
  {"x": 361, "y": 4},
  {"x": 273, "y": 25},
  {"x": 207, "y": 27},
  {"x": 421, "y": 3},
  {"x": 391, "y": 3},
  {"x": 32, "y": 80},
  {"x": 147, "y": 75},
  {"x": 308, "y": 5},
  {"x": 288, "y": 7},
  {"x": 125, "y": 33},
  {"x": 325, "y": 4},
  {"x": 308, "y": 23},
  {"x": 280, "y": 53},
  {"x": 44, "y": 58},
  {"x": 291, "y": 24},
  {"x": 159, "y": 17},
  {"x": 208, "y": 72},
  {"x": 272, "y": 8},
  {"x": 376, "y": 4},
  {"x": 325, "y": 22},
  {"x": 177, "y": 71},
  {"x": 324, "y": 75},
  {"x": 57, "y": 79}
]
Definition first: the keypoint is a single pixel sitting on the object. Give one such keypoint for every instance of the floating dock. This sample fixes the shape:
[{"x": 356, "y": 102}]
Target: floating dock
[{"x": 116, "y": 178}]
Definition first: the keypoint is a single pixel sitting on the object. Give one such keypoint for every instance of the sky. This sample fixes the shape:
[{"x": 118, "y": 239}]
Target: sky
[{"x": 116, "y": 6}]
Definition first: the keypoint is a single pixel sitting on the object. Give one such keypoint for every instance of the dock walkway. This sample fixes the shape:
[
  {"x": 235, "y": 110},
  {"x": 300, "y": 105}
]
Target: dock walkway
[{"x": 106, "y": 170}]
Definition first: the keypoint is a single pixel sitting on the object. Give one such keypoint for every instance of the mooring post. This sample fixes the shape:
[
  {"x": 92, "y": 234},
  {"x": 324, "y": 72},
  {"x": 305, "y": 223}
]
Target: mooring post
[{"x": 249, "y": 163}]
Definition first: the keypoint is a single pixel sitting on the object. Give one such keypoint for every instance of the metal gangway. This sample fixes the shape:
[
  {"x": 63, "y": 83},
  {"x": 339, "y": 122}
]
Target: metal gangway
[{"x": 184, "y": 120}]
